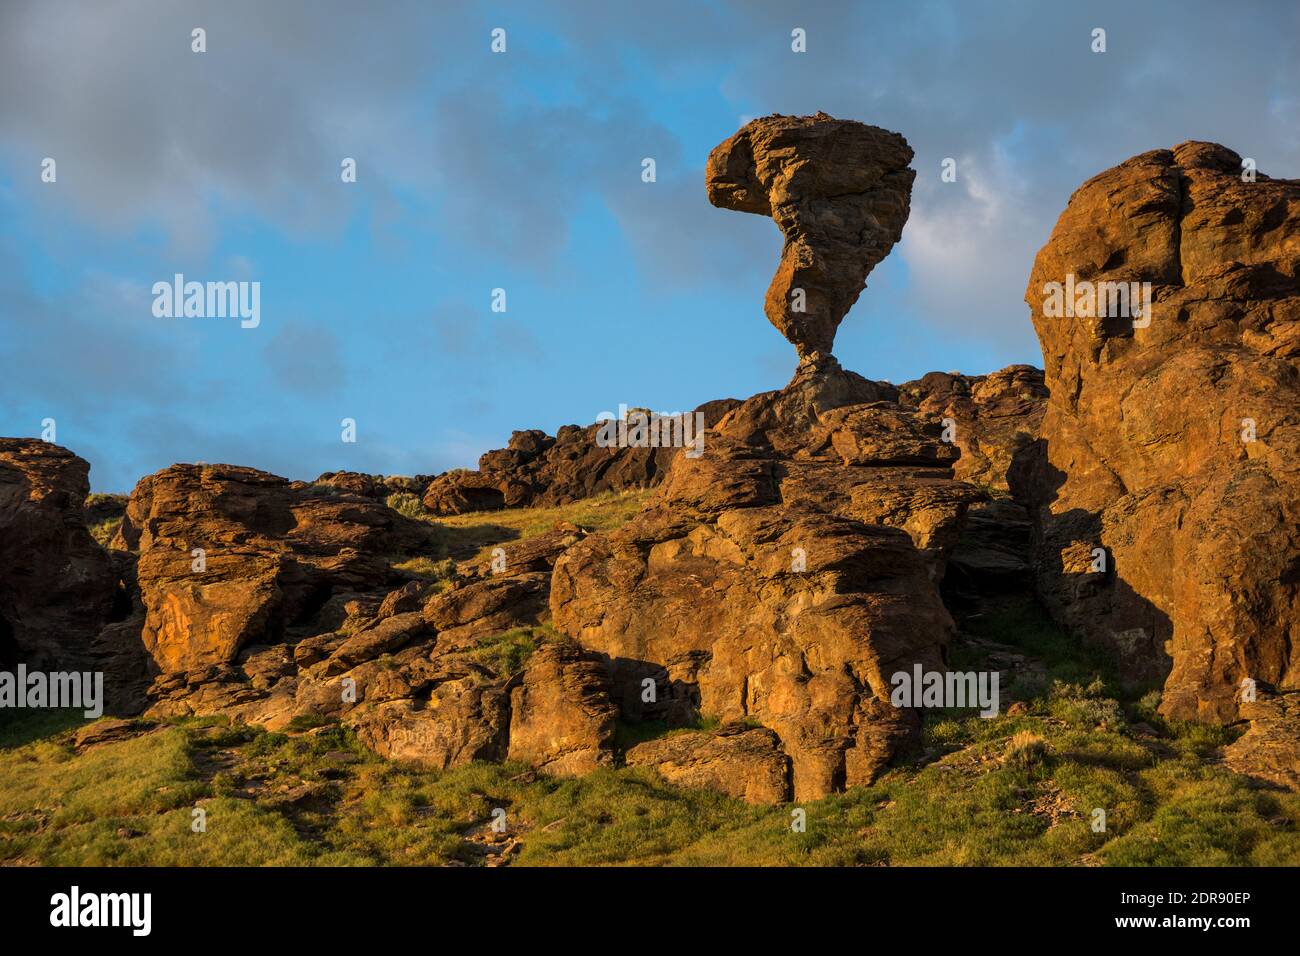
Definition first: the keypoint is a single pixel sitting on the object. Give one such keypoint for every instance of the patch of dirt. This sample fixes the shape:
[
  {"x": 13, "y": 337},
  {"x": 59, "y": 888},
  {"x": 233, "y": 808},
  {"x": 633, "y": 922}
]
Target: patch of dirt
[
  {"x": 495, "y": 841},
  {"x": 1050, "y": 802}
]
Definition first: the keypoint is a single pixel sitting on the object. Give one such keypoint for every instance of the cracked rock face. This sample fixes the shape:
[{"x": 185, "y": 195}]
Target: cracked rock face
[
  {"x": 1173, "y": 443},
  {"x": 840, "y": 191},
  {"x": 994, "y": 416},
  {"x": 779, "y": 580},
  {"x": 271, "y": 556},
  {"x": 56, "y": 585}
]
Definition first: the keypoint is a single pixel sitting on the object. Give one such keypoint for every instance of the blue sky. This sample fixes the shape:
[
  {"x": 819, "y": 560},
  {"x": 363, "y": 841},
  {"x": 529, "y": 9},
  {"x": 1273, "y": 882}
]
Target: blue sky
[{"x": 522, "y": 171}]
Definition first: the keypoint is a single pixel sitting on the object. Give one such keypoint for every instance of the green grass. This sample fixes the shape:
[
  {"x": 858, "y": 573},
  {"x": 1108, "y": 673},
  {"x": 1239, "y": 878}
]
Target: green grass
[
  {"x": 109, "y": 509},
  {"x": 1022, "y": 623},
  {"x": 473, "y": 535},
  {"x": 628, "y": 735},
  {"x": 1165, "y": 804},
  {"x": 18, "y": 727},
  {"x": 427, "y": 569},
  {"x": 505, "y": 654},
  {"x": 1008, "y": 790}
]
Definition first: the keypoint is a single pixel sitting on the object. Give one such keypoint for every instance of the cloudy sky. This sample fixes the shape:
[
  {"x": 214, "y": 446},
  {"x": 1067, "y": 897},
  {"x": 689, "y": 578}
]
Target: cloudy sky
[{"x": 522, "y": 171}]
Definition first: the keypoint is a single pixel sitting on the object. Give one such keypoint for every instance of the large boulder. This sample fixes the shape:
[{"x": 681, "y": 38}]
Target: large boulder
[
  {"x": 1165, "y": 491},
  {"x": 740, "y": 761},
  {"x": 464, "y": 718},
  {"x": 839, "y": 190},
  {"x": 58, "y": 588},
  {"x": 475, "y": 608},
  {"x": 774, "y": 582},
  {"x": 561, "y": 715},
  {"x": 230, "y": 556}
]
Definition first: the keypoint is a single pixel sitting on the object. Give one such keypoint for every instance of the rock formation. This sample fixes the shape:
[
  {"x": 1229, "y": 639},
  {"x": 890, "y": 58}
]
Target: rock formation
[
  {"x": 536, "y": 469},
  {"x": 993, "y": 417},
  {"x": 738, "y": 760},
  {"x": 561, "y": 714},
  {"x": 780, "y": 579},
  {"x": 990, "y": 419},
  {"x": 775, "y": 582},
  {"x": 232, "y": 556},
  {"x": 270, "y": 601},
  {"x": 1166, "y": 488},
  {"x": 840, "y": 191},
  {"x": 58, "y": 589},
  {"x": 764, "y": 597}
]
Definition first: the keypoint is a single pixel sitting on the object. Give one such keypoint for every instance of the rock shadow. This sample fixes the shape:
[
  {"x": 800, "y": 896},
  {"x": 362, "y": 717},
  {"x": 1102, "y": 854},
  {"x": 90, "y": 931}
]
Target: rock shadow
[{"x": 1078, "y": 578}]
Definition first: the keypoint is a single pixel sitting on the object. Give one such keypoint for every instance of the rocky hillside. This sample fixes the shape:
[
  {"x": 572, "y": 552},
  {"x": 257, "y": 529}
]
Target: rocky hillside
[{"x": 741, "y": 630}]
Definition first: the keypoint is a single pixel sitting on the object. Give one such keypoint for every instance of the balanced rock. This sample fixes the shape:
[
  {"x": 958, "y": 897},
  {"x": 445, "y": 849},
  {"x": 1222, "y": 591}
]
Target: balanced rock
[
  {"x": 1166, "y": 488},
  {"x": 781, "y": 577},
  {"x": 839, "y": 190}
]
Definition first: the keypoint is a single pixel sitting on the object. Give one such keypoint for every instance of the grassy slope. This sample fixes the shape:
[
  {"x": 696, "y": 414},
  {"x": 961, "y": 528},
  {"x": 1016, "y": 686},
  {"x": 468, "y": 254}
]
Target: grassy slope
[
  {"x": 972, "y": 796},
  {"x": 318, "y": 797},
  {"x": 460, "y": 537}
]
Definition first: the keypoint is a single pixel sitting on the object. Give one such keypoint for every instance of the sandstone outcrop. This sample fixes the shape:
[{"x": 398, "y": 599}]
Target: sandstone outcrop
[
  {"x": 990, "y": 419},
  {"x": 58, "y": 588},
  {"x": 839, "y": 190},
  {"x": 740, "y": 761},
  {"x": 294, "y": 612},
  {"x": 1166, "y": 489},
  {"x": 781, "y": 578},
  {"x": 378, "y": 487},
  {"x": 231, "y": 556},
  {"x": 537, "y": 469},
  {"x": 561, "y": 714},
  {"x": 993, "y": 417},
  {"x": 472, "y": 609}
]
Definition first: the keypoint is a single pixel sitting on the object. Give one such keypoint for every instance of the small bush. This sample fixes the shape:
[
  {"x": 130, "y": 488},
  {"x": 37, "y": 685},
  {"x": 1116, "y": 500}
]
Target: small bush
[
  {"x": 103, "y": 515},
  {"x": 103, "y": 531},
  {"x": 428, "y": 569},
  {"x": 505, "y": 654},
  {"x": 407, "y": 505},
  {"x": 1086, "y": 706},
  {"x": 1062, "y": 690},
  {"x": 1025, "y": 749}
]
